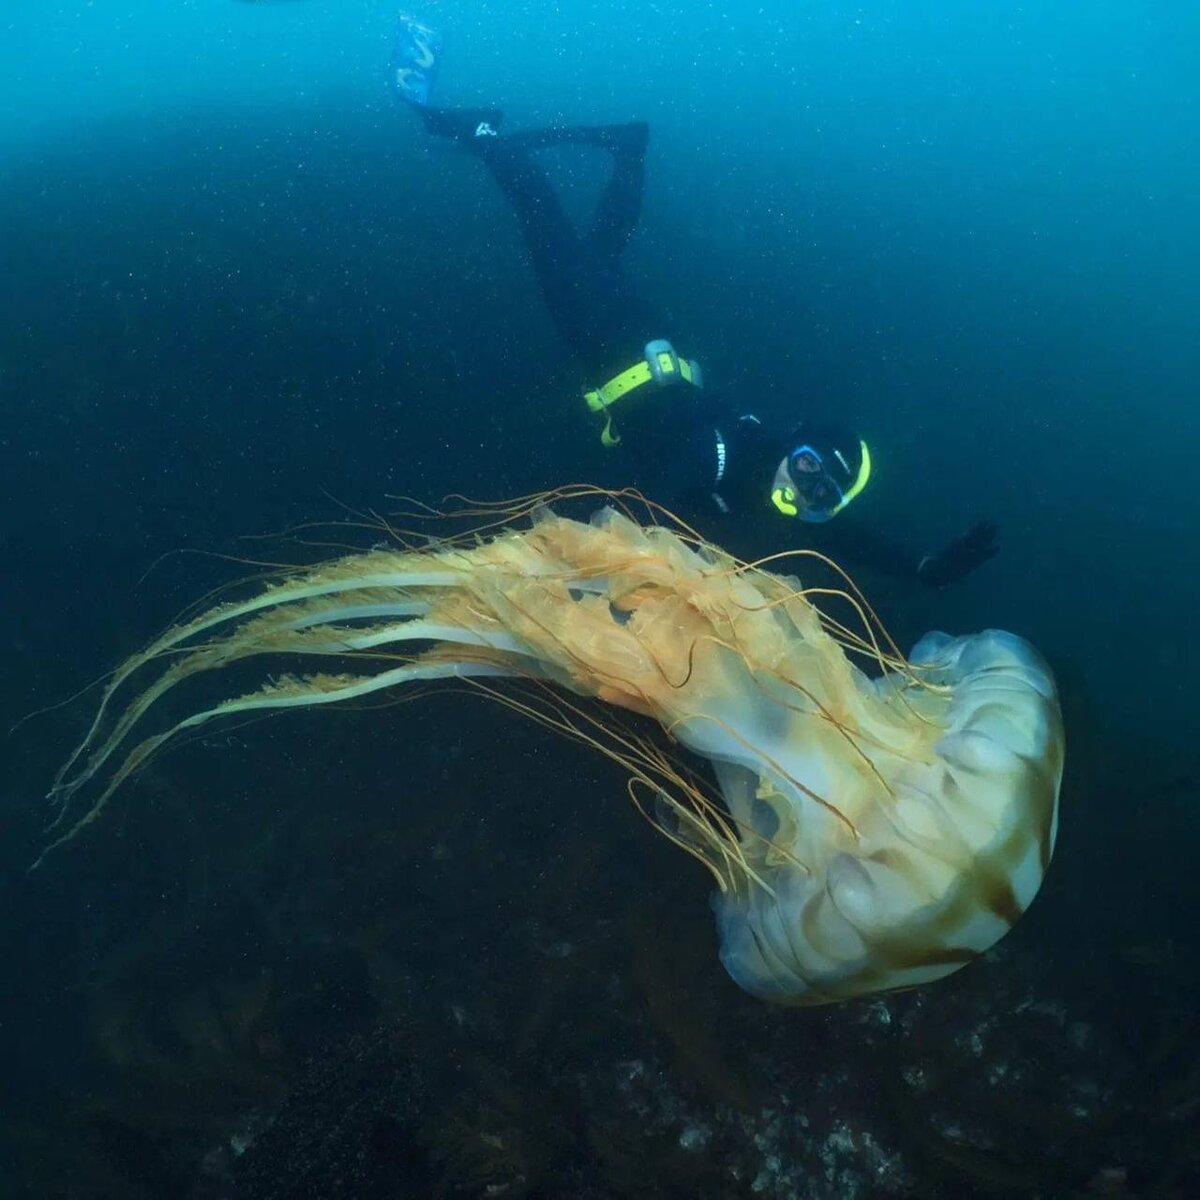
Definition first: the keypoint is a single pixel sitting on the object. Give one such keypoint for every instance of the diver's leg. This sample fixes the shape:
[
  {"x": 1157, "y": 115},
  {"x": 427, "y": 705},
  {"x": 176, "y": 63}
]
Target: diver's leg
[
  {"x": 549, "y": 236},
  {"x": 461, "y": 125},
  {"x": 527, "y": 187},
  {"x": 620, "y": 205}
]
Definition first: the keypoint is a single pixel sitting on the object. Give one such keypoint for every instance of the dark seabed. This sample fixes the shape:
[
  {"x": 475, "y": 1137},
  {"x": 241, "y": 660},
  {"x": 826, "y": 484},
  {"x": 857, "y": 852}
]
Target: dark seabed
[{"x": 429, "y": 949}]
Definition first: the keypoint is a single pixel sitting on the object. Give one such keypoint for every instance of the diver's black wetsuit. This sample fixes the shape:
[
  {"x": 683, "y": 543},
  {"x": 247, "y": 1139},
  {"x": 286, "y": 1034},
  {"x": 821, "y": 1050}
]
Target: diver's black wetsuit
[
  {"x": 600, "y": 315},
  {"x": 686, "y": 447}
]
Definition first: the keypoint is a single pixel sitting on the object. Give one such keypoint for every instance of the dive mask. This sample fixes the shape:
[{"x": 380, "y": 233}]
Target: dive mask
[{"x": 807, "y": 487}]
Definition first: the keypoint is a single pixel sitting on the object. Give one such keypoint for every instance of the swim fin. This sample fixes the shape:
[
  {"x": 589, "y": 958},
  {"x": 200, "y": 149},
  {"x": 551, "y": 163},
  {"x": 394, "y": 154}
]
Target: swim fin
[{"x": 415, "y": 59}]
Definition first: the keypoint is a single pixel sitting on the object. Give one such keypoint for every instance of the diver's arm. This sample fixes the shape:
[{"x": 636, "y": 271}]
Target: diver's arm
[
  {"x": 959, "y": 557},
  {"x": 859, "y": 543}
]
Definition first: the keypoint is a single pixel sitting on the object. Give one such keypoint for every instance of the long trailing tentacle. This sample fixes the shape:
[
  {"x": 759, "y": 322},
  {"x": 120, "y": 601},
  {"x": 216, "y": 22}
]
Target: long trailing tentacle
[
  {"x": 306, "y": 634},
  {"x": 309, "y": 586},
  {"x": 288, "y": 692}
]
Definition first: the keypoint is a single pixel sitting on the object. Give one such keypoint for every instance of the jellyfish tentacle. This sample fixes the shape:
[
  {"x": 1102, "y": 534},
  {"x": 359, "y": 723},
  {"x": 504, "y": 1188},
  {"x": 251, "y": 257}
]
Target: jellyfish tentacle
[
  {"x": 288, "y": 692},
  {"x": 308, "y": 586},
  {"x": 289, "y": 636}
]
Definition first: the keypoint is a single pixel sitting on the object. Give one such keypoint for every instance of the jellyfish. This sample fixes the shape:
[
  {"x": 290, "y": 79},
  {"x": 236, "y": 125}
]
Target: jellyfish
[{"x": 871, "y": 821}]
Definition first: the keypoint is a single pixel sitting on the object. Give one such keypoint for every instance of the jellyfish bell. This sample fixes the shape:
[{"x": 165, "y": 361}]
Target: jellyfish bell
[
  {"x": 864, "y": 834},
  {"x": 953, "y": 825}
]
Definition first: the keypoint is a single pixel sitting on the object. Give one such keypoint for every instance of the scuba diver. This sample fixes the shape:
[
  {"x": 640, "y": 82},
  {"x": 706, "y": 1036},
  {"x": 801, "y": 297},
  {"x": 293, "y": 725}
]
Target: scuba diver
[{"x": 709, "y": 460}]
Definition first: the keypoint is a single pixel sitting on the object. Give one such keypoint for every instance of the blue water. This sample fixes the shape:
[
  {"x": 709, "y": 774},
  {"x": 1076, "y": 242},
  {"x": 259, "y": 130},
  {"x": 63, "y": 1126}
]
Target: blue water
[{"x": 239, "y": 290}]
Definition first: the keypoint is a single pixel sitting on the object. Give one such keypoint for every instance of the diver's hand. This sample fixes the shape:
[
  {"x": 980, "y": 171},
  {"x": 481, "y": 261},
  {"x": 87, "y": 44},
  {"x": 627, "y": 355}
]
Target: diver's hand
[{"x": 960, "y": 557}]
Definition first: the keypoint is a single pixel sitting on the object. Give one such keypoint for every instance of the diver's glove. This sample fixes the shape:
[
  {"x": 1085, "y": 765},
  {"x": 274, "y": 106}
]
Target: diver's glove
[{"x": 960, "y": 557}]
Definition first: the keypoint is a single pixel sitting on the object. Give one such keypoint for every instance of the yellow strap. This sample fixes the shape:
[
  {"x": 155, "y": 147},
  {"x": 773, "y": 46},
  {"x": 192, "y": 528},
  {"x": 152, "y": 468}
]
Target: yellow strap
[{"x": 598, "y": 399}]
